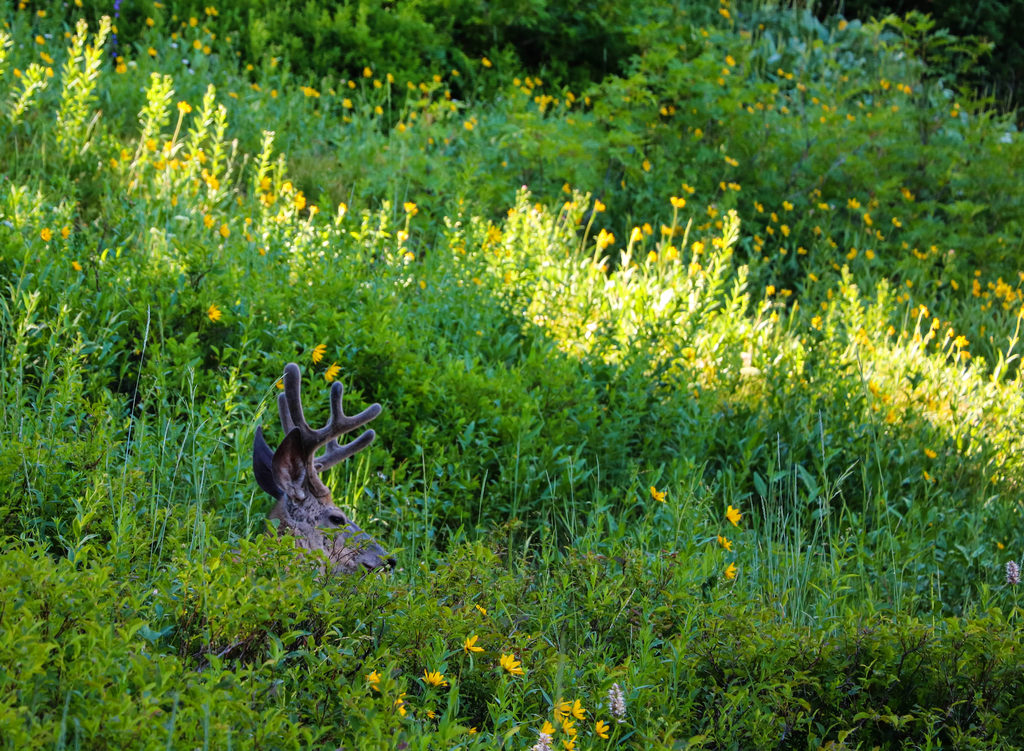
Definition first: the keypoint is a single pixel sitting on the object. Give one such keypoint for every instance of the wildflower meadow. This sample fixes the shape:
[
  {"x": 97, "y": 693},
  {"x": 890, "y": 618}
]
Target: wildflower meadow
[{"x": 696, "y": 331}]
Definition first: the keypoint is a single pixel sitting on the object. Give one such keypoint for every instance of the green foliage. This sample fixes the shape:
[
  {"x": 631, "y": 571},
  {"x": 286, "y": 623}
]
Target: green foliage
[
  {"x": 572, "y": 41},
  {"x": 994, "y": 21},
  {"x": 176, "y": 663},
  {"x": 795, "y": 303},
  {"x": 78, "y": 87}
]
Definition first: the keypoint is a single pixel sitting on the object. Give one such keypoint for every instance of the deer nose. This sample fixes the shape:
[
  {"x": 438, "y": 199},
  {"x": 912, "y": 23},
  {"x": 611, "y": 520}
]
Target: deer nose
[{"x": 391, "y": 563}]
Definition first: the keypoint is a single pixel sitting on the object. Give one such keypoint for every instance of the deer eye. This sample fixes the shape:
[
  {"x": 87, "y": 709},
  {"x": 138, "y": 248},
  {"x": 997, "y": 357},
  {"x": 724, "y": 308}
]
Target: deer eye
[{"x": 337, "y": 519}]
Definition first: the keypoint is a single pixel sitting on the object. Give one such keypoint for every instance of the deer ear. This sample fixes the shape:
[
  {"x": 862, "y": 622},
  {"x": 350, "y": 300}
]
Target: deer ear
[
  {"x": 262, "y": 464},
  {"x": 289, "y": 464}
]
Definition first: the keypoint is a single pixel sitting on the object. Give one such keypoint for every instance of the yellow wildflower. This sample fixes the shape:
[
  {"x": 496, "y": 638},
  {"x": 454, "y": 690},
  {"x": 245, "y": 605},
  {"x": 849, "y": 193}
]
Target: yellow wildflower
[
  {"x": 604, "y": 239},
  {"x": 733, "y": 515},
  {"x": 730, "y": 572},
  {"x": 332, "y": 372},
  {"x": 374, "y": 680},
  {"x": 725, "y": 543},
  {"x": 213, "y": 313},
  {"x": 469, "y": 645},
  {"x": 657, "y": 495},
  {"x": 434, "y": 678},
  {"x": 46, "y": 234},
  {"x": 410, "y": 208},
  {"x": 601, "y": 728},
  {"x": 511, "y": 664},
  {"x": 677, "y": 202},
  {"x": 562, "y": 709},
  {"x": 318, "y": 353},
  {"x": 578, "y": 711}
]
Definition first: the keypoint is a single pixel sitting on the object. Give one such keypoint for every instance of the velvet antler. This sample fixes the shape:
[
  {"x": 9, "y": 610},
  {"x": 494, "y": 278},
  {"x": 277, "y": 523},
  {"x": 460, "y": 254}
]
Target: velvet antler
[{"x": 289, "y": 406}]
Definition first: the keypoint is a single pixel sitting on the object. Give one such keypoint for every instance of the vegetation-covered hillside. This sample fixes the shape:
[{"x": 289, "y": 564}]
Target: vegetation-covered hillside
[{"x": 698, "y": 361}]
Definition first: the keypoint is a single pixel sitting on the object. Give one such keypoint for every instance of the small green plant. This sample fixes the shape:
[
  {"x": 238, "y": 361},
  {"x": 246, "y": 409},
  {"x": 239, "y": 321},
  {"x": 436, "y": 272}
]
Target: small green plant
[{"x": 79, "y": 84}]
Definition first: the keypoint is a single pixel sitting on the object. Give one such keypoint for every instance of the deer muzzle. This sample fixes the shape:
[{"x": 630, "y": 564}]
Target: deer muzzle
[{"x": 360, "y": 551}]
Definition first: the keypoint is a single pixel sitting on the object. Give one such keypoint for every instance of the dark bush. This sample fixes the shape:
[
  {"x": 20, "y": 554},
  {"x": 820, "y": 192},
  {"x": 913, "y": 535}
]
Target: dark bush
[{"x": 998, "y": 21}]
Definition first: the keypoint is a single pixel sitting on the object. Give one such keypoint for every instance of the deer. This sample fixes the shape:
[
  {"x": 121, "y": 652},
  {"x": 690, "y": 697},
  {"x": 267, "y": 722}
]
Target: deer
[{"x": 291, "y": 474}]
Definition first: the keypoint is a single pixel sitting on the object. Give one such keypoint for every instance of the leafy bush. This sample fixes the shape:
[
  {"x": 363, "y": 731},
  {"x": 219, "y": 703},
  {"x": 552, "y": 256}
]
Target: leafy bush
[
  {"x": 177, "y": 664},
  {"x": 1000, "y": 70},
  {"x": 573, "y": 42}
]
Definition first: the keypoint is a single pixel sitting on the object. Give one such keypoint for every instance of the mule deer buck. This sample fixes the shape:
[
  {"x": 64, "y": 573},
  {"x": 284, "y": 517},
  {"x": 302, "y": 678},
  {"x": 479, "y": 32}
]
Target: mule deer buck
[{"x": 292, "y": 475}]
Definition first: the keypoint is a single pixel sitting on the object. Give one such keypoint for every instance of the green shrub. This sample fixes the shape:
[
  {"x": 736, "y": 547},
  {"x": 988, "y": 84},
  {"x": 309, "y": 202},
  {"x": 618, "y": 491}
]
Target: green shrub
[
  {"x": 572, "y": 42},
  {"x": 999, "y": 71}
]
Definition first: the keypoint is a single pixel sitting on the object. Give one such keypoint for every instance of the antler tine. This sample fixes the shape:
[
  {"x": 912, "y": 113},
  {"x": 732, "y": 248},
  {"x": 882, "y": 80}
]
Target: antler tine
[
  {"x": 287, "y": 424},
  {"x": 289, "y": 404},
  {"x": 336, "y": 453},
  {"x": 340, "y": 423}
]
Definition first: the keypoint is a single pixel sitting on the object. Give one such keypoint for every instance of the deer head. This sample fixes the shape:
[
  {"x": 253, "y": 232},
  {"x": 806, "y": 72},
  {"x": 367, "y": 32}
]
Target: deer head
[{"x": 292, "y": 475}]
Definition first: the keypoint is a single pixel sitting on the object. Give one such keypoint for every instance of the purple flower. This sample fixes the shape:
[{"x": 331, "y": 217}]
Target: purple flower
[
  {"x": 617, "y": 703},
  {"x": 1012, "y": 573}
]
